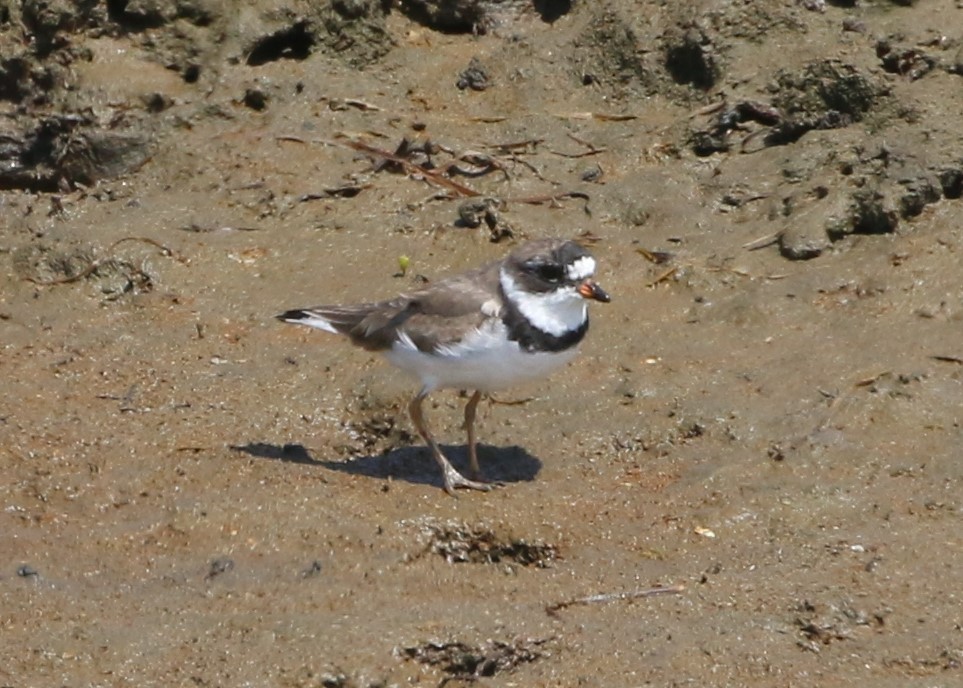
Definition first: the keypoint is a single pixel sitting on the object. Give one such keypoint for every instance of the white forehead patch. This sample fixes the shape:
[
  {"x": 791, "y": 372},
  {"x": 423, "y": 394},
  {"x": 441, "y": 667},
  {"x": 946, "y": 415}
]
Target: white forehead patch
[{"x": 580, "y": 269}]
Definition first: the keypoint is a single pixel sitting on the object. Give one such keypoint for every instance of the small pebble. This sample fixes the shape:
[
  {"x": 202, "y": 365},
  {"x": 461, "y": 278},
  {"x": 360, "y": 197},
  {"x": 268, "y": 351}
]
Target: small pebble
[
  {"x": 219, "y": 566},
  {"x": 256, "y": 99},
  {"x": 313, "y": 570},
  {"x": 854, "y": 25},
  {"x": 593, "y": 174}
]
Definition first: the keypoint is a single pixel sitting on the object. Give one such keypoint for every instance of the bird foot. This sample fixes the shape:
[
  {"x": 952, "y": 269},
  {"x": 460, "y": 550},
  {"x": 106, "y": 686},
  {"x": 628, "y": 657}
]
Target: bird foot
[{"x": 454, "y": 480}]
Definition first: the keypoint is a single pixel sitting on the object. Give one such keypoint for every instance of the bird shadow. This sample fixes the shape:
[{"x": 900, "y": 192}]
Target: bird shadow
[
  {"x": 411, "y": 464},
  {"x": 285, "y": 453}
]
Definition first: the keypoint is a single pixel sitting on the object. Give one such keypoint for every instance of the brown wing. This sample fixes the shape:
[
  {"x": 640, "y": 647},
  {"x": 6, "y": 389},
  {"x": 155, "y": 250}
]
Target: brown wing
[
  {"x": 437, "y": 315},
  {"x": 442, "y": 313}
]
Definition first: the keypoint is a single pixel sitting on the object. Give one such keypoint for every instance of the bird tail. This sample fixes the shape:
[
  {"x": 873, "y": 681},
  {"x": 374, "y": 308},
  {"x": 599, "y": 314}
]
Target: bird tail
[
  {"x": 309, "y": 317},
  {"x": 334, "y": 319}
]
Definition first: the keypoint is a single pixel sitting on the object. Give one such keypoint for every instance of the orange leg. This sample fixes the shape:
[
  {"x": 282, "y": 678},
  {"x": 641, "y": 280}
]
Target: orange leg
[
  {"x": 470, "y": 428},
  {"x": 453, "y": 479}
]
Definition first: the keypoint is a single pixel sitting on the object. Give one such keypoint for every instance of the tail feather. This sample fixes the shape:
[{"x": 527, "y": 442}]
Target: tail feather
[
  {"x": 311, "y": 318},
  {"x": 337, "y": 319},
  {"x": 369, "y": 325}
]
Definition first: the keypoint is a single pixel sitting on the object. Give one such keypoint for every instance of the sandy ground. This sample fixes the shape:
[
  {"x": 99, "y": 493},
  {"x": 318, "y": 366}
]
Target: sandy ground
[{"x": 196, "y": 494}]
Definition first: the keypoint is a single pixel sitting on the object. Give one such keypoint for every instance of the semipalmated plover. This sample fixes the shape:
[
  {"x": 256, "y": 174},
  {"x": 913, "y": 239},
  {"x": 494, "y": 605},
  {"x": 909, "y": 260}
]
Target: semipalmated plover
[{"x": 513, "y": 320}]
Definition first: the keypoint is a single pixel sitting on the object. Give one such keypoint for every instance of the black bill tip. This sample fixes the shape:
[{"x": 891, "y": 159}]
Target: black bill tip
[{"x": 590, "y": 289}]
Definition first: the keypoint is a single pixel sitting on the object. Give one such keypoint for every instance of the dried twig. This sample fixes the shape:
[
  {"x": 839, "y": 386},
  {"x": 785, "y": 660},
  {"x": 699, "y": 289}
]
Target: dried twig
[
  {"x": 601, "y": 116},
  {"x": 203, "y": 229},
  {"x": 515, "y": 149},
  {"x": 867, "y": 381},
  {"x": 430, "y": 175},
  {"x": 346, "y": 191},
  {"x": 603, "y": 598},
  {"x": 345, "y": 103},
  {"x": 708, "y": 109},
  {"x": 657, "y": 257},
  {"x": 479, "y": 164},
  {"x": 762, "y": 242},
  {"x": 535, "y": 170},
  {"x": 553, "y": 199},
  {"x": 592, "y": 149},
  {"x": 745, "y": 273},
  {"x": 947, "y": 359},
  {"x": 509, "y": 402},
  {"x": 664, "y": 276},
  {"x": 588, "y": 238},
  {"x": 515, "y": 145}
]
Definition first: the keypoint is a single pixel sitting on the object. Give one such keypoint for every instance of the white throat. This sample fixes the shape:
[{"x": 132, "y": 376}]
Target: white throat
[{"x": 554, "y": 312}]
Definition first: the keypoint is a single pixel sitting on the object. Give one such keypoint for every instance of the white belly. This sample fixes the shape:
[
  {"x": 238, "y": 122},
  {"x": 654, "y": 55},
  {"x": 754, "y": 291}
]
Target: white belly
[{"x": 485, "y": 361}]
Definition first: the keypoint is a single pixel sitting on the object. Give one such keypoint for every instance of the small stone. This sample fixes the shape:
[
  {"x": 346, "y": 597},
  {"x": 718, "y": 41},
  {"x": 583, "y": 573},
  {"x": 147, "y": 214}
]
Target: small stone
[
  {"x": 854, "y": 25},
  {"x": 313, "y": 570},
  {"x": 256, "y": 99},
  {"x": 219, "y": 566},
  {"x": 592, "y": 174},
  {"x": 474, "y": 77},
  {"x": 803, "y": 242},
  {"x": 474, "y": 211}
]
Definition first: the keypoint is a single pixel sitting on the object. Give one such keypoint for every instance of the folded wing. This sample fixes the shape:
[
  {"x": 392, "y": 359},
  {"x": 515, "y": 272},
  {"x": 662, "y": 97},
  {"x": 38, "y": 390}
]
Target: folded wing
[{"x": 434, "y": 317}]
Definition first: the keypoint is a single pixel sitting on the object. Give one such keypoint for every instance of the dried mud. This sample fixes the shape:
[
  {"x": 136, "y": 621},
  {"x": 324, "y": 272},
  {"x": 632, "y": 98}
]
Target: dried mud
[{"x": 764, "y": 424}]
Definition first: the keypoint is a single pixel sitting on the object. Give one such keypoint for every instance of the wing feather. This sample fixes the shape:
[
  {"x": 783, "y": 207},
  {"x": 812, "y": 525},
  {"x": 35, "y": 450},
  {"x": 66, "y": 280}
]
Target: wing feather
[{"x": 437, "y": 316}]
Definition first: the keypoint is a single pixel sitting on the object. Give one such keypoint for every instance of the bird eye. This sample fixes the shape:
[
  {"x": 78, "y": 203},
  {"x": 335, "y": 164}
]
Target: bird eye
[{"x": 549, "y": 272}]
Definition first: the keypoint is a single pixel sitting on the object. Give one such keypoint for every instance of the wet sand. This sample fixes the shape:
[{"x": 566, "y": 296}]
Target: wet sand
[{"x": 196, "y": 494}]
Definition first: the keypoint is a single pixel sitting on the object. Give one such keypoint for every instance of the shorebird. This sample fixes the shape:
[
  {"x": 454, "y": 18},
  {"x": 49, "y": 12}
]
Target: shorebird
[{"x": 508, "y": 322}]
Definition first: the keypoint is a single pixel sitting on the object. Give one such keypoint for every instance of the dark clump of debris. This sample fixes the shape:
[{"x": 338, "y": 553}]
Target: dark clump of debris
[
  {"x": 474, "y": 211},
  {"x": 824, "y": 624},
  {"x": 465, "y": 661},
  {"x": 47, "y": 266},
  {"x": 480, "y": 16},
  {"x": 824, "y": 86},
  {"x": 60, "y": 151},
  {"x": 475, "y": 77},
  {"x": 910, "y": 62},
  {"x": 460, "y": 542},
  {"x": 378, "y": 432},
  {"x": 827, "y": 94}
]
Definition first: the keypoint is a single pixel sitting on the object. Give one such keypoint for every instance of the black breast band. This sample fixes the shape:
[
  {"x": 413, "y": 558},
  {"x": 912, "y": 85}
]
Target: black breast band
[{"x": 532, "y": 339}]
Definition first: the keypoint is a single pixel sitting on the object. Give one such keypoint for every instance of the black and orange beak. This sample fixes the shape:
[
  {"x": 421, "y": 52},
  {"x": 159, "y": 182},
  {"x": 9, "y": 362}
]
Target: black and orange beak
[{"x": 589, "y": 289}]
